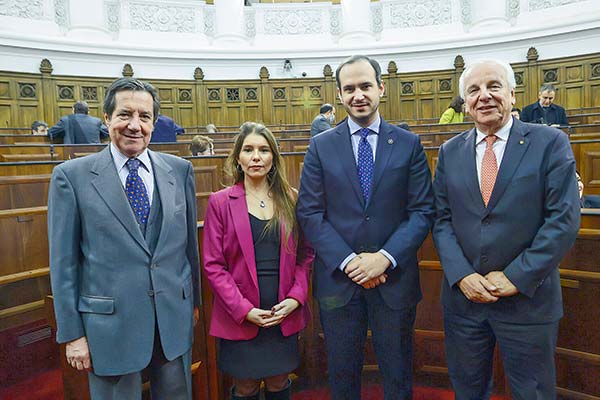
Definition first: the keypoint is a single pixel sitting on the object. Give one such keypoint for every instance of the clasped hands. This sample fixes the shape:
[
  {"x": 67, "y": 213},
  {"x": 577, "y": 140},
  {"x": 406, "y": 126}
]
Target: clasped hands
[
  {"x": 367, "y": 269},
  {"x": 274, "y": 316},
  {"x": 488, "y": 288}
]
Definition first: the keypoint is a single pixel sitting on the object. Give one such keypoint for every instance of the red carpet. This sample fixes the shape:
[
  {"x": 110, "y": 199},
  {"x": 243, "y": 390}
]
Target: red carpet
[{"x": 48, "y": 386}]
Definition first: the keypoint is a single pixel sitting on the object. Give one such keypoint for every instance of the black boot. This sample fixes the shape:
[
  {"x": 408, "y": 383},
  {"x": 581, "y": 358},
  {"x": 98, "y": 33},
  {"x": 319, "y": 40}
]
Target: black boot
[
  {"x": 285, "y": 394},
  {"x": 251, "y": 397}
]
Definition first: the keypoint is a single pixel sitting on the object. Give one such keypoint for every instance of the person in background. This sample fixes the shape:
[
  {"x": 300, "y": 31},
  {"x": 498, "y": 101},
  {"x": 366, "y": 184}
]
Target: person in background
[
  {"x": 79, "y": 127},
  {"x": 211, "y": 128},
  {"x": 39, "y": 128},
  {"x": 202, "y": 146},
  {"x": 324, "y": 120},
  {"x": 507, "y": 212},
  {"x": 587, "y": 201},
  {"x": 257, "y": 265},
  {"x": 516, "y": 112},
  {"x": 544, "y": 111},
  {"x": 455, "y": 112},
  {"x": 403, "y": 125},
  {"x": 166, "y": 130}
]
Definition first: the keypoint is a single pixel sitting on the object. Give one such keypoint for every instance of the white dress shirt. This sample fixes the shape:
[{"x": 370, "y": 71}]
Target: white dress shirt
[
  {"x": 145, "y": 171},
  {"x": 498, "y": 147}
]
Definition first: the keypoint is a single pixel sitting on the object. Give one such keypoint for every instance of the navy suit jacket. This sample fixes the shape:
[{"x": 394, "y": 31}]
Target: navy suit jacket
[
  {"x": 530, "y": 223},
  {"x": 552, "y": 115},
  {"x": 165, "y": 130},
  {"x": 336, "y": 221},
  {"x": 319, "y": 124}
]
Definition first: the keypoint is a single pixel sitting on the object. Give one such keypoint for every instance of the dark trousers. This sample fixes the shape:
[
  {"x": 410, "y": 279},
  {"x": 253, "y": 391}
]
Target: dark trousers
[
  {"x": 345, "y": 331},
  {"x": 527, "y": 352}
]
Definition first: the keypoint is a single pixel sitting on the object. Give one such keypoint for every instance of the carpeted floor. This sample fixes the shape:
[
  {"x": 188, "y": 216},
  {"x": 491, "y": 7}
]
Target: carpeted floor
[{"x": 48, "y": 386}]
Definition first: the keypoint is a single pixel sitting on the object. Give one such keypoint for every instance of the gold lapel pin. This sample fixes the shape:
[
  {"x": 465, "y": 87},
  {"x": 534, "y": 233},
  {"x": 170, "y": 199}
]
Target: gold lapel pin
[
  {"x": 390, "y": 141},
  {"x": 521, "y": 141}
]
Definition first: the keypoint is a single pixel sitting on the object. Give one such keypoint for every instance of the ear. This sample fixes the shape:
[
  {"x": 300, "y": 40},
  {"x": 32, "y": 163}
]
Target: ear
[
  {"x": 106, "y": 119},
  {"x": 381, "y": 89},
  {"x": 339, "y": 93},
  {"x": 513, "y": 99}
]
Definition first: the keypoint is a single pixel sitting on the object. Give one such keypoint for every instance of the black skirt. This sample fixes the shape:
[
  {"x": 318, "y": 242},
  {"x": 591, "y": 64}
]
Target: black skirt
[{"x": 269, "y": 353}]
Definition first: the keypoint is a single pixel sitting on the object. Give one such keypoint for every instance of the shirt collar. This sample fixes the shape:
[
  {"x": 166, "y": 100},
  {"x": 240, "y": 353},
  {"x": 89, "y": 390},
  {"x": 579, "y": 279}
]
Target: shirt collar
[
  {"x": 121, "y": 159},
  {"x": 501, "y": 134},
  {"x": 353, "y": 126}
]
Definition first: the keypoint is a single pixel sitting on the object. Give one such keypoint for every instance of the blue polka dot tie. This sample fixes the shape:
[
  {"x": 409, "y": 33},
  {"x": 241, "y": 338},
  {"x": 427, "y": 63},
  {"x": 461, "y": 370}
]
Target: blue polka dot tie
[
  {"x": 136, "y": 192},
  {"x": 365, "y": 163}
]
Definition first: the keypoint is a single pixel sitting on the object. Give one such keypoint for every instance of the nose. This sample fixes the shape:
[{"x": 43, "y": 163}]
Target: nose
[
  {"x": 255, "y": 155},
  {"x": 134, "y": 123}
]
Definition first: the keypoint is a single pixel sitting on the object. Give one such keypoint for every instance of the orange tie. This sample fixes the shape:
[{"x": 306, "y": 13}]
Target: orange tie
[{"x": 489, "y": 170}]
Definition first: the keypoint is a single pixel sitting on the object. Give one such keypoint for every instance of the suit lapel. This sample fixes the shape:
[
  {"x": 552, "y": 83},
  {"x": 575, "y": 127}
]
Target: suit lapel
[
  {"x": 385, "y": 145},
  {"x": 343, "y": 147},
  {"x": 513, "y": 154},
  {"x": 108, "y": 185},
  {"x": 241, "y": 221},
  {"x": 165, "y": 182},
  {"x": 469, "y": 166}
]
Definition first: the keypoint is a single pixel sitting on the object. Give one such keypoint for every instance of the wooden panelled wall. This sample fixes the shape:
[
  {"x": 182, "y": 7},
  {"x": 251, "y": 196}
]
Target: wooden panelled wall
[{"x": 197, "y": 102}]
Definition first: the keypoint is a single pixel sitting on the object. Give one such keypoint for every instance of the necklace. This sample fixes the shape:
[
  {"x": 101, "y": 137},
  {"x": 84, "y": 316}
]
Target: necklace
[{"x": 261, "y": 203}]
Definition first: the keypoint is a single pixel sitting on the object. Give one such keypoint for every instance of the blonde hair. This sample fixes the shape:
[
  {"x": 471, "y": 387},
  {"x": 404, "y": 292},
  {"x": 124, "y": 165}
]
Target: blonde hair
[{"x": 200, "y": 144}]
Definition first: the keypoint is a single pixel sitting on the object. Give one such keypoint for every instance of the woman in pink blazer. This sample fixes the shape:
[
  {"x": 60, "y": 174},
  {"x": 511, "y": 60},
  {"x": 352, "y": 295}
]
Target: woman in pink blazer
[{"x": 258, "y": 267}]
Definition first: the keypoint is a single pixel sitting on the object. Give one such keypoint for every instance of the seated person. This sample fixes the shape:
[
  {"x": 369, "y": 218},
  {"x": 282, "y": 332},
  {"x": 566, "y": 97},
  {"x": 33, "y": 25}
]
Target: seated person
[
  {"x": 544, "y": 111},
  {"x": 39, "y": 128},
  {"x": 516, "y": 112},
  {"x": 455, "y": 112},
  {"x": 211, "y": 128},
  {"x": 202, "y": 146},
  {"x": 589, "y": 201},
  {"x": 403, "y": 125},
  {"x": 165, "y": 130}
]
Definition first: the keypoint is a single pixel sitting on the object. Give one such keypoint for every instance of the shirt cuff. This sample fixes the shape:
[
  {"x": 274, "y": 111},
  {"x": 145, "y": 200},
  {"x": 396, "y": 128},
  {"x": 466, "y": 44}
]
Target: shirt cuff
[
  {"x": 346, "y": 261},
  {"x": 389, "y": 257}
]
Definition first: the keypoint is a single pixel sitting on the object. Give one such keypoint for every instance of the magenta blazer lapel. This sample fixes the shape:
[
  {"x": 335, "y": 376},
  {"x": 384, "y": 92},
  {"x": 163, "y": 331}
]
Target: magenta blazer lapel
[{"x": 241, "y": 221}]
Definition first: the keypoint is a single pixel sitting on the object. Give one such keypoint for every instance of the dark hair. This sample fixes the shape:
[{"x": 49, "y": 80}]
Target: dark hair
[
  {"x": 34, "y": 126},
  {"x": 81, "y": 107},
  {"x": 403, "y": 125},
  {"x": 283, "y": 198},
  {"x": 325, "y": 108},
  {"x": 457, "y": 103},
  {"x": 200, "y": 144},
  {"x": 135, "y": 85},
  {"x": 354, "y": 59}
]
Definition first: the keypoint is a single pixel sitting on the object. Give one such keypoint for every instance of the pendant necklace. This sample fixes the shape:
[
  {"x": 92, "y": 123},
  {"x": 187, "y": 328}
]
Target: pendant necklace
[{"x": 261, "y": 203}]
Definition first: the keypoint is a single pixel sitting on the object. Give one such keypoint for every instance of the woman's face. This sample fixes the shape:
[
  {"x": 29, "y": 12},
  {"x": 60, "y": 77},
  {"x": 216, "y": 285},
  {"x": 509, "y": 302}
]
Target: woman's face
[{"x": 256, "y": 157}]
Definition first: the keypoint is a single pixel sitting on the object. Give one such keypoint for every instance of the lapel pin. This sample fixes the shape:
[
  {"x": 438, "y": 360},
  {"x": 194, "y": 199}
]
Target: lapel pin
[
  {"x": 390, "y": 141},
  {"x": 521, "y": 141}
]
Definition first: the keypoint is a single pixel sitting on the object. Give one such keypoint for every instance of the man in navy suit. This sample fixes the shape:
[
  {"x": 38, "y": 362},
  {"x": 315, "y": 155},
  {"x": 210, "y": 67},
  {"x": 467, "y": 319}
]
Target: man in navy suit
[
  {"x": 79, "y": 127},
  {"x": 507, "y": 211},
  {"x": 366, "y": 205},
  {"x": 165, "y": 130}
]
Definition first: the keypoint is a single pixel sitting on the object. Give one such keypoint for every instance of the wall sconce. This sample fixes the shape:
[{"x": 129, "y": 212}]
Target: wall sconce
[{"x": 287, "y": 65}]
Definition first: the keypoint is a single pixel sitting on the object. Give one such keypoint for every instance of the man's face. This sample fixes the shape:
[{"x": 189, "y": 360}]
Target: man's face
[
  {"x": 359, "y": 92},
  {"x": 331, "y": 115},
  {"x": 41, "y": 130},
  {"x": 488, "y": 98},
  {"x": 131, "y": 123},
  {"x": 546, "y": 98}
]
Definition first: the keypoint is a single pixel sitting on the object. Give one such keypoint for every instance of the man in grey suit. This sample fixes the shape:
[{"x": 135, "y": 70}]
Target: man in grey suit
[
  {"x": 324, "y": 120},
  {"x": 79, "y": 127},
  {"x": 124, "y": 256}
]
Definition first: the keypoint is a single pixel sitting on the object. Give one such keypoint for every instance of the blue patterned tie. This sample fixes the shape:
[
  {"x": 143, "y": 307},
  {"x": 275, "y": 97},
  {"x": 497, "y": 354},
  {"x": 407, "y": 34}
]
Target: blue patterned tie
[
  {"x": 136, "y": 192},
  {"x": 365, "y": 163}
]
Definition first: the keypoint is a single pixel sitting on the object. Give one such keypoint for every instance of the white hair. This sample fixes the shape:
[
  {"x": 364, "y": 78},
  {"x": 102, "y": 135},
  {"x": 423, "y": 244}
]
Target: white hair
[{"x": 510, "y": 74}]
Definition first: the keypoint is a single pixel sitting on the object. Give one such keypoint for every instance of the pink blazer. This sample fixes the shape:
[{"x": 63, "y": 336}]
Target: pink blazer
[{"x": 230, "y": 267}]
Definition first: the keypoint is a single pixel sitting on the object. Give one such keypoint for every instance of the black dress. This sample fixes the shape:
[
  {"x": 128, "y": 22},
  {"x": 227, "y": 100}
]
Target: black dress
[{"x": 269, "y": 353}]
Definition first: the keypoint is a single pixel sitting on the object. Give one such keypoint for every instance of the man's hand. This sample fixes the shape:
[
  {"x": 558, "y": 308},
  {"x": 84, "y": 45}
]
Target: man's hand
[
  {"x": 504, "y": 287},
  {"x": 78, "y": 354},
  {"x": 196, "y": 315},
  {"x": 477, "y": 289},
  {"x": 366, "y": 266},
  {"x": 373, "y": 283}
]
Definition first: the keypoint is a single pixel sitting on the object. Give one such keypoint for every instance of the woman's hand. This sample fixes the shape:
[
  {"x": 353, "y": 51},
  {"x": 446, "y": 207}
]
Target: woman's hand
[
  {"x": 263, "y": 318},
  {"x": 286, "y": 307}
]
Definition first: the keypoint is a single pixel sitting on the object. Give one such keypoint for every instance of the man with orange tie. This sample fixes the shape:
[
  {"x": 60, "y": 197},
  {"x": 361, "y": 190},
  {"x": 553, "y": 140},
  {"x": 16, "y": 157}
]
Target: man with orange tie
[{"x": 506, "y": 213}]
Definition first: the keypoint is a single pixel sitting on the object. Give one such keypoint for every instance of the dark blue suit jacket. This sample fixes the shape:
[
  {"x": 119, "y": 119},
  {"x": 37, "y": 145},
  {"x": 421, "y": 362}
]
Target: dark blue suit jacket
[
  {"x": 530, "y": 223},
  {"x": 552, "y": 115},
  {"x": 165, "y": 130},
  {"x": 337, "y": 222}
]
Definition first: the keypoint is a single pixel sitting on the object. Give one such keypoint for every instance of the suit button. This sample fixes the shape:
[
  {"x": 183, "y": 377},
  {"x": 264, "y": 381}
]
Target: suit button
[
  {"x": 486, "y": 221},
  {"x": 151, "y": 293},
  {"x": 153, "y": 266},
  {"x": 367, "y": 218}
]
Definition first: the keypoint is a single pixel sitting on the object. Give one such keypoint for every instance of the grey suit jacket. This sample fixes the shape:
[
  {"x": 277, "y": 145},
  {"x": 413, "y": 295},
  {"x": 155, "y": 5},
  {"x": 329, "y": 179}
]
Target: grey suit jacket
[
  {"x": 79, "y": 129},
  {"x": 319, "y": 124},
  {"x": 107, "y": 283}
]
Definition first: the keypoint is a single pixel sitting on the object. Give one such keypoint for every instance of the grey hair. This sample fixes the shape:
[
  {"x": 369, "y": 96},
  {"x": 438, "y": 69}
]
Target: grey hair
[
  {"x": 510, "y": 74},
  {"x": 547, "y": 86}
]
